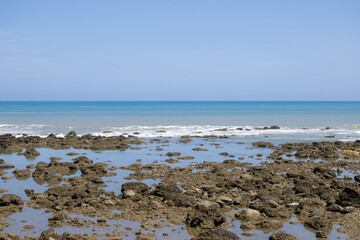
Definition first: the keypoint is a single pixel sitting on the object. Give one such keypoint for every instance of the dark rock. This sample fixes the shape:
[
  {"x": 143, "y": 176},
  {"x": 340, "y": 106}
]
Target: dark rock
[
  {"x": 219, "y": 234},
  {"x": 349, "y": 197},
  {"x": 31, "y": 153},
  {"x": 10, "y": 200},
  {"x": 172, "y": 154},
  {"x": 357, "y": 178},
  {"x": 206, "y": 220},
  {"x": 318, "y": 223},
  {"x": 170, "y": 192},
  {"x": 137, "y": 187},
  {"x": 281, "y": 235},
  {"x": 71, "y": 134}
]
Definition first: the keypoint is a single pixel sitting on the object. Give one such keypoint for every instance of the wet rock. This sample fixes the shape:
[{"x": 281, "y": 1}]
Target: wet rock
[
  {"x": 304, "y": 187},
  {"x": 206, "y": 206},
  {"x": 72, "y": 154},
  {"x": 186, "y": 158},
  {"x": 137, "y": 187},
  {"x": 128, "y": 193},
  {"x": 136, "y": 141},
  {"x": 31, "y": 153},
  {"x": 263, "y": 145},
  {"x": 95, "y": 169},
  {"x": 318, "y": 223},
  {"x": 325, "y": 172},
  {"x": 224, "y": 154},
  {"x": 11, "y": 143},
  {"x": 262, "y": 202},
  {"x": 357, "y": 178},
  {"x": 349, "y": 197},
  {"x": 170, "y": 192},
  {"x": 6, "y": 166},
  {"x": 310, "y": 207},
  {"x": 49, "y": 234},
  {"x": 10, "y": 200},
  {"x": 172, "y": 154},
  {"x": 248, "y": 215},
  {"x": 30, "y": 166},
  {"x": 281, "y": 235},
  {"x": 199, "y": 149},
  {"x": 349, "y": 154},
  {"x": 22, "y": 173},
  {"x": 268, "y": 224},
  {"x": 171, "y": 160},
  {"x": 206, "y": 220},
  {"x": 9, "y": 236},
  {"x": 220, "y": 234}
]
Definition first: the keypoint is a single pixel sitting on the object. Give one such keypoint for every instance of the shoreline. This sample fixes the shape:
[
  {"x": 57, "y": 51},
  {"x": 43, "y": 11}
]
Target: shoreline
[{"x": 186, "y": 187}]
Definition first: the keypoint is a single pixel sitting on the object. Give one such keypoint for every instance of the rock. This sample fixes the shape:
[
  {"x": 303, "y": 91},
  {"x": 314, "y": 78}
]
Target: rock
[
  {"x": 30, "y": 166},
  {"x": 206, "y": 220},
  {"x": 186, "y": 158},
  {"x": 172, "y": 154},
  {"x": 349, "y": 197},
  {"x": 205, "y": 206},
  {"x": 268, "y": 224},
  {"x": 318, "y": 223},
  {"x": 357, "y": 178},
  {"x": 49, "y": 234},
  {"x": 22, "y": 173},
  {"x": 263, "y": 145},
  {"x": 224, "y": 154},
  {"x": 199, "y": 149},
  {"x": 262, "y": 202},
  {"x": 281, "y": 235},
  {"x": 10, "y": 200},
  {"x": 170, "y": 192},
  {"x": 225, "y": 199},
  {"x": 274, "y": 127},
  {"x": 54, "y": 174},
  {"x": 72, "y": 154},
  {"x": 219, "y": 234},
  {"x": 137, "y": 187},
  {"x": 31, "y": 153},
  {"x": 129, "y": 193},
  {"x": 9, "y": 236},
  {"x": 171, "y": 160},
  {"x": 71, "y": 134},
  {"x": 310, "y": 207},
  {"x": 349, "y": 154},
  {"x": 6, "y": 166},
  {"x": 248, "y": 215}
]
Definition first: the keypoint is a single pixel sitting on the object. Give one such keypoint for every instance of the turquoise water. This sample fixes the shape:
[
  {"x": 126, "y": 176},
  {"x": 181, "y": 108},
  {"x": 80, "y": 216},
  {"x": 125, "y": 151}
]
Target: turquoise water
[{"x": 181, "y": 118}]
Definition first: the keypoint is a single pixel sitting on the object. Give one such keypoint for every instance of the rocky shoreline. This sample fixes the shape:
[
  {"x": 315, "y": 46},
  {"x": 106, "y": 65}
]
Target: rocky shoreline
[{"x": 206, "y": 198}]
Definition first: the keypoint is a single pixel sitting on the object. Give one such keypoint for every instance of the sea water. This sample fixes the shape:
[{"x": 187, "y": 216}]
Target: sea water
[{"x": 303, "y": 121}]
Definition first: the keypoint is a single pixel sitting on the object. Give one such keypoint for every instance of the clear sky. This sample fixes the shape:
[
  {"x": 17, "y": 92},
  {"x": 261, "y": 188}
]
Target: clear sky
[{"x": 180, "y": 50}]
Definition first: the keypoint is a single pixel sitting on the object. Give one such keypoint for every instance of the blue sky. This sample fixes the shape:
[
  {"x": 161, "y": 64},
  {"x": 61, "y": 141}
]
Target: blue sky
[{"x": 180, "y": 50}]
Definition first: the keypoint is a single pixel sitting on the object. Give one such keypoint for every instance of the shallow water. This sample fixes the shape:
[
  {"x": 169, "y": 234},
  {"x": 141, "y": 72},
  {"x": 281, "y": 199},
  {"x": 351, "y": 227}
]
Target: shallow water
[{"x": 148, "y": 155}]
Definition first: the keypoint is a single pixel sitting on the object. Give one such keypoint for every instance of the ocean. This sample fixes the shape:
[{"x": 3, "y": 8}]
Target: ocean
[{"x": 298, "y": 121}]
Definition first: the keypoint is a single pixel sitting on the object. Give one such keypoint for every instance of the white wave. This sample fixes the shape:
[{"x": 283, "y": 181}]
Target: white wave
[{"x": 341, "y": 132}]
